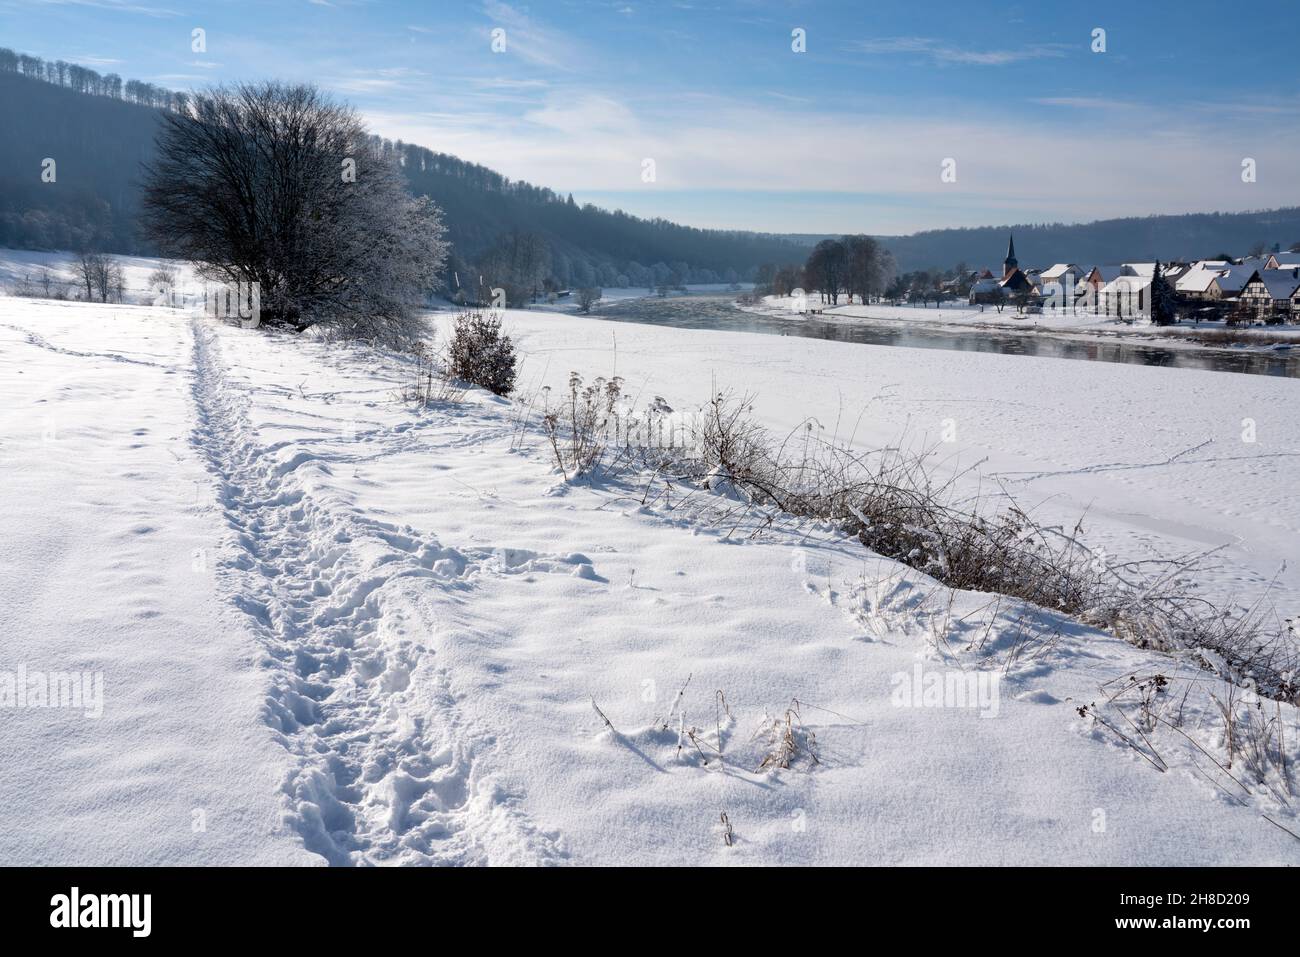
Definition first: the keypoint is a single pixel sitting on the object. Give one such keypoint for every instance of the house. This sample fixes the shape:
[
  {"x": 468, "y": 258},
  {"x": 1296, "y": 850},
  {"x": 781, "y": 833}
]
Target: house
[
  {"x": 1268, "y": 294},
  {"x": 1094, "y": 280},
  {"x": 1229, "y": 281},
  {"x": 984, "y": 291},
  {"x": 1282, "y": 260},
  {"x": 1062, "y": 274},
  {"x": 1196, "y": 283},
  {"x": 1126, "y": 296},
  {"x": 1056, "y": 296}
]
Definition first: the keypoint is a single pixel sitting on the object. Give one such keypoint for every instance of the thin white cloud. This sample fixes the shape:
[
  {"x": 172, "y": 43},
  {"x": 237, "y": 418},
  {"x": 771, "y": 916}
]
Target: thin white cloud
[
  {"x": 117, "y": 6},
  {"x": 941, "y": 52},
  {"x": 1084, "y": 102},
  {"x": 530, "y": 40},
  {"x": 590, "y": 114},
  {"x": 94, "y": 60},
  {"x": 1068, "y": 169}
]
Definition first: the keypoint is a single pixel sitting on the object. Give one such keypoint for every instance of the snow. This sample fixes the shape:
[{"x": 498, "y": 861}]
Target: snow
[
  {"x": 108, "y": 568},
  {"x": 955, "y": 314},
  {"x": 1199, "y": 278},
  {"x": 358, "y": 632},
  {"x": 1081, "y": 322},
  {"x": 19, "y": 264}
]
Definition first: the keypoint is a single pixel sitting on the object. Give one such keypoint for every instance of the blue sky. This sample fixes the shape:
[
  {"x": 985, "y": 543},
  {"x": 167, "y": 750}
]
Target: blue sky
[{"x": 850, "y": 135}]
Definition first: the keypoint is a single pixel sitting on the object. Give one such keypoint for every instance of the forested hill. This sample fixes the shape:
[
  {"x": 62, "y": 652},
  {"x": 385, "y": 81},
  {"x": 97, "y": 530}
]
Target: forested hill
[
  {"x": 1135, "y": 239},
  {"x": 99, "y": 140},
  {"x": 588, "y": 244},
  {"x": 97, "y": 144}
]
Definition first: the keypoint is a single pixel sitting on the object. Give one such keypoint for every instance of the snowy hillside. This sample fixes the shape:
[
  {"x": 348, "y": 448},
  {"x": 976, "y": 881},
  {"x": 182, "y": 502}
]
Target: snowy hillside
[{"x": 332, "y": 627}]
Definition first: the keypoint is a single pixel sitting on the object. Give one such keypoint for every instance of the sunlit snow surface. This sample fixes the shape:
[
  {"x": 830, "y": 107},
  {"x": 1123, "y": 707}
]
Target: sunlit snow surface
[{"x": 336, "y": 628}]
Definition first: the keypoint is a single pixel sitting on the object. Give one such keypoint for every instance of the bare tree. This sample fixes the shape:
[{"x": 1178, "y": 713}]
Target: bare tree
[
  {"x": 862, "y": 267},
  {"x": 827, "y": 269},
  {"x": 280, "y": 186},
  {"x": 89, "y": 266},
  {"x": 588, "y": 296},
  {"x": 102, "y": 277}
]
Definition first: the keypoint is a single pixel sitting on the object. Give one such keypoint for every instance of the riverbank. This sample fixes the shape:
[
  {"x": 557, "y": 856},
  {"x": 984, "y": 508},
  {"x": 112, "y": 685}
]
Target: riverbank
[{"x": 1205, "y": 335}]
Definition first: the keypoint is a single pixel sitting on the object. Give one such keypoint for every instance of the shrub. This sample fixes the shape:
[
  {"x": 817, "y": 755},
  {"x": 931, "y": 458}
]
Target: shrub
[
  {"x": 480, "y": 354},
  {"x": 432, "y": 382},
  {"x": 579, "y": 428}
]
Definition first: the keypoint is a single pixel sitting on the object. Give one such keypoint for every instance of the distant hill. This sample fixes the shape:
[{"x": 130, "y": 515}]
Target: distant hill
[
  {"x": 1133, "y": 239},
  {"x": 99, "y": 142}
]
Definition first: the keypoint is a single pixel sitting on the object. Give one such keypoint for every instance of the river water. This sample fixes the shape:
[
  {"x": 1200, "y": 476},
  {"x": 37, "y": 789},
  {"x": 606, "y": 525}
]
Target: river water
[{"x": 721, "y": 313}]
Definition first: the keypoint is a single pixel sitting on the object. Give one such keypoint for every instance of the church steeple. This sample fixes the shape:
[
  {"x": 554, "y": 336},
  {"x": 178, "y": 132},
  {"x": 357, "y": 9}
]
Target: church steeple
[{"x": 1009, "y": 265}]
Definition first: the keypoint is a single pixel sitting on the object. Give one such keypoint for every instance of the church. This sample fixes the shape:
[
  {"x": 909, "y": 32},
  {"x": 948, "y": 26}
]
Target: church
[
  {"x": 988, "y": 289},
  {"x": 1013, "y": 281}
]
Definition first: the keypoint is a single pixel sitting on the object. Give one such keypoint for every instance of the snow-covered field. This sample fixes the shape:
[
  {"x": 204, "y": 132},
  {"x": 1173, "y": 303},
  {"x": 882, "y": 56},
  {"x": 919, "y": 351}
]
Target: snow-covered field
[
  {"x": 333, "y": 627},
  {"x": 18, "y": 266}
]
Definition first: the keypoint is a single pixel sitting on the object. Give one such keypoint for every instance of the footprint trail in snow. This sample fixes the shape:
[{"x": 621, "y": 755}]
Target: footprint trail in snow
[{"x": 384, "y": 768}]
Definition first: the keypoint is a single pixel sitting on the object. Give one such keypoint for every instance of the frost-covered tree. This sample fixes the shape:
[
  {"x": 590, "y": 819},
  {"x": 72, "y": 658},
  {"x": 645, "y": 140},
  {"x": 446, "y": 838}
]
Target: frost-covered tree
[
  {"x": 279, "y": 185},
  {"x": 827, "y": 269}
]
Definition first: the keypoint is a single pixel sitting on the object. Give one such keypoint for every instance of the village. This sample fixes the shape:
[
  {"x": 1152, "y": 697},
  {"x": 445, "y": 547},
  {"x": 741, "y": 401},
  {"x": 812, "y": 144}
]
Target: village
[{"x": 1251, "y": 290}]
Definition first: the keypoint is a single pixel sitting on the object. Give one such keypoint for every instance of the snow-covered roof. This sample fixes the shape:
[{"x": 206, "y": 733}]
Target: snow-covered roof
[
  {"x": 1127, "y": 284},
  {"x": 1280, "y": 283},
  {"x": 1059, "y": 270},
  {"x": 1197, "y": 280},
  {"x": 1287, "y": 259},
  {"x": 1107, "y": 273},
  {"x": 1141, "y": 269},
  {"x": 1232, "y": 278}
]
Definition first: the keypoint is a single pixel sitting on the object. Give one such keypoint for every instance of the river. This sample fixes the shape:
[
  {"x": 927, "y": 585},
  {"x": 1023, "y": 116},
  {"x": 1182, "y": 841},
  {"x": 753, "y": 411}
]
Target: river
[{"x": 720, "y": 312}]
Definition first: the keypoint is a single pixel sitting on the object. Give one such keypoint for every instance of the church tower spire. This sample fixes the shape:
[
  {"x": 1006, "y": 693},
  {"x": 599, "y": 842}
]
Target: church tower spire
[{"x": 1009, "y": 265}]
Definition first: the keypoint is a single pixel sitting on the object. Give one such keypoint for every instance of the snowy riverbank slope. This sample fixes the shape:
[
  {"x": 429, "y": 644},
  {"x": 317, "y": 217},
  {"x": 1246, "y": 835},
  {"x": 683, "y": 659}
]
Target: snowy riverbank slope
[{"x": 353, "y": 631}]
